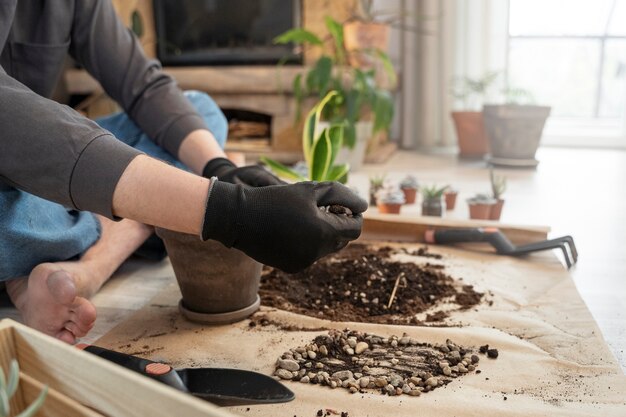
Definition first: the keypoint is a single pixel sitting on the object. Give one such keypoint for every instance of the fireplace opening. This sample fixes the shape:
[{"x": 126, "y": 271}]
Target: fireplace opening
[
  {"x": 248, "y": 130},
  {"x": 225, "y": 32}
]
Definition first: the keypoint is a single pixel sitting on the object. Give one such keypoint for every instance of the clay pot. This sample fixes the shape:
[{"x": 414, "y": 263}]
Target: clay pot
[
  {"x": 471, "y": 134},
  {"x": 450, "y": 198},
  {"x": 359, "y": 36},
  {"x": 389, "y": 208},
  {"x": 514, "y": 133},
  {"x": 218, "y": 284},
  {"x": 496, "y": 210},
  {"x": 433, "y": 207},
  {"x": 480, "y": 211},
  {"x": 410, "y": 195}
]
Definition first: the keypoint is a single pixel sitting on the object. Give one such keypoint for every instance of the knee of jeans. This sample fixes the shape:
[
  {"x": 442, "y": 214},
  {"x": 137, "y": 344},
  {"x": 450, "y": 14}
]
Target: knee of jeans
[{"x": 211, "y": 113}]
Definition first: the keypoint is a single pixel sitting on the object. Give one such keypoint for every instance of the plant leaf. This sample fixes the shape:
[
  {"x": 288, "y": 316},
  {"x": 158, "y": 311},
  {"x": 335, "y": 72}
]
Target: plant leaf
[
  {"x": 35, "y": 405},
  {"x": 282, "y": 170},
  {"x": 338, "y": 173},
  {"x": 335, "y": 134},
  {"x": 298, "y": 36},
  {"x": 336, "y": 31},
  {"x": 4, "y": 403},
  {"x": 298, "y": 95},
  {"x": 136, "y": 23},
  {"x": 308, "y": 135},
  {"x": 3, "y": 381},
  {"x": 321, "y": 153},
  {"x": 388, "y": 67},
  {"x": 14, "y": 378},
  {"x": 350, "y": 136},
  {"x": 383, "y": 111}
]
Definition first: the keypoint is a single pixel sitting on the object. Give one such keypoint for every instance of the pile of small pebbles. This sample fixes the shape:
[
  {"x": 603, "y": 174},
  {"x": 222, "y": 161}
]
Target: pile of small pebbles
[{"x": 364, "y": 362}]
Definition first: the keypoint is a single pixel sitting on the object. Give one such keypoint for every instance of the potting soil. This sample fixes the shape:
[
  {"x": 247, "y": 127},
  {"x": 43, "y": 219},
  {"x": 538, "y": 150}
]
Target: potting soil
[{"x": 367, "y": 283}]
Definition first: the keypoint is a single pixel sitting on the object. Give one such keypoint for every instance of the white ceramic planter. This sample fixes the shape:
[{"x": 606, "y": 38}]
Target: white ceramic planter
[{"x": 355, "y": 156}]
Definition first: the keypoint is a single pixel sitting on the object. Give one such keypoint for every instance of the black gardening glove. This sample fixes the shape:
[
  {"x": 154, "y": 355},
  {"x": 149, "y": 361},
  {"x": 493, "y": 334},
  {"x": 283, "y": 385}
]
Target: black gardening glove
[
  {"x": 252, "y": 175},
  {"x": 283, "y": 225}
]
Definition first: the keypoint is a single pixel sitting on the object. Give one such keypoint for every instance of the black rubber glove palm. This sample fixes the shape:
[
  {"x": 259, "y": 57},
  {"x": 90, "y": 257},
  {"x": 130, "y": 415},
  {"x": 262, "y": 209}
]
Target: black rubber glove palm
[
  {"x": 283, "y": 225},
  {"x": 252, "y": 175}
]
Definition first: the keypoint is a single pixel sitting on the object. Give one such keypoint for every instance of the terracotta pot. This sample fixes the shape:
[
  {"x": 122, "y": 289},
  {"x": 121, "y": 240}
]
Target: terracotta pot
[
  {"x": 471, "y": 134},
  {"x": 218, "y": 284},
  {"x": 450, "y": 200},
  {"x": 479, "y": 211},
  {"x": 409, "y": 195},
  {"x": 514, "y": 133},
  {"x": 360, "y": 36},
  {"x": 389, "y": 208},
  {"x": 496, "y": 210},
  {"x": 433, "y": 207}
]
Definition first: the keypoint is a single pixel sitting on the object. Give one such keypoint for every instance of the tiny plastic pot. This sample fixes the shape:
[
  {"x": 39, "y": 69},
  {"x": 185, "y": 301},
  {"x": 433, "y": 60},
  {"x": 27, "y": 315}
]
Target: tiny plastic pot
[
  {"x": 410, "y": 195},
  {"x": 450, "y": 198},
  {"x": 479, "y": 211},
  {"x": 389, "y": 208},
  {"x": 496, "y": 210},
  {"x": 218, "y": 284},
  {"x": 433, "y": 207}
]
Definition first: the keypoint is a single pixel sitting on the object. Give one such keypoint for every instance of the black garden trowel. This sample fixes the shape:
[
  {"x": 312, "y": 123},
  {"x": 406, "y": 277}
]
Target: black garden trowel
[{"x": 220, "y": 386}]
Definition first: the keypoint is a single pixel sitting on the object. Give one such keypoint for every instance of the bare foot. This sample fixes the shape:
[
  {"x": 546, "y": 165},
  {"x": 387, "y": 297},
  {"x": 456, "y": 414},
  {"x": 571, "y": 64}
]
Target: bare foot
[{"x": 50, "y": 301}]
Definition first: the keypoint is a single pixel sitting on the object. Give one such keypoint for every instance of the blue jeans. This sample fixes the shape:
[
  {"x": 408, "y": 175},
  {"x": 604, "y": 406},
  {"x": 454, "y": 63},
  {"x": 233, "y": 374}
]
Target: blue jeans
[{"x": 34, "y": 230}]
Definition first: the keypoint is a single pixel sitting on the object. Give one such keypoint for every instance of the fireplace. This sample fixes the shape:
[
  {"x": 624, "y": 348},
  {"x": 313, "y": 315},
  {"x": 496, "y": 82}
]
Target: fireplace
[{"x": 225, "y": 32}]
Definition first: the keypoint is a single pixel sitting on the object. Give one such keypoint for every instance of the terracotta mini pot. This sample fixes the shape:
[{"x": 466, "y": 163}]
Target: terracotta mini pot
[
  {"x": 389, "y": 208},
  {"x": 450, "y": 198},
  {"x": 496, "y": 210},
  {"x": 218, "y": 284},
  {"x": 360, "y": 36},
  {"x": 479, "y": 211},
  {"x": 433, "y": 207},
  {"x": 409, "y": 195}
]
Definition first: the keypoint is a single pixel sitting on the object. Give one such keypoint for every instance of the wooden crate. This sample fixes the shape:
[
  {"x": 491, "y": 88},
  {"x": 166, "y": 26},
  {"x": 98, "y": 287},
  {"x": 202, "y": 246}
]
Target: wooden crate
[{"x": 81, "y": 384}]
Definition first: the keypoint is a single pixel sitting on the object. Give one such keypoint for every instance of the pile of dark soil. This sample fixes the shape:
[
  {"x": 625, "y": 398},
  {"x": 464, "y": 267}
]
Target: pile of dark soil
[
  {"x": 361, "y": 362},
  {"x": 362, "y": 283}
]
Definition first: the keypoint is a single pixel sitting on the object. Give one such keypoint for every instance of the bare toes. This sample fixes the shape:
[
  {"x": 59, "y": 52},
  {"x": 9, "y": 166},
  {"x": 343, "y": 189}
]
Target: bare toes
[
  {"x": 76, "y": 329},
  {"x": 66, "y": 336},
  {"x": 83, "y": 312},
  {"x": 62, "y": 287}
]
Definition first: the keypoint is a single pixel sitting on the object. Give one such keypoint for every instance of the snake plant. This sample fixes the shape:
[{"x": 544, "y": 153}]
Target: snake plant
[
  {"x": 320, "y": 147},
  {"x": 8, "y": 389}
]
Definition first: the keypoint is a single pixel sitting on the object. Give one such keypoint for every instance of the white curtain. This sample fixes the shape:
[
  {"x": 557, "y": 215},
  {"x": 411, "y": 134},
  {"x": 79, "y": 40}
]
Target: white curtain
[{"x": 454, "y": 38}]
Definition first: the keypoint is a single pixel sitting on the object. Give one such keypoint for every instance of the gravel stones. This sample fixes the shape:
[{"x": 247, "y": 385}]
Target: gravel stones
[{"x": 388, "y": 365}]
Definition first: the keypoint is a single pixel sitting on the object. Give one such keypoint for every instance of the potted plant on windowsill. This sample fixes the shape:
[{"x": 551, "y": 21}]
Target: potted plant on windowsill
[
  {"x": 390, "y": 199},
  {"x": 362, "y": 102},
  {"x": 409, "y": 187},
  {"x": 515, "y": 129},
  {"x": 498, "y": 186},
  {"x": 449, "y": 196},
  {"x": 376, "y": 183},
  {"x": 468, "y": 122},
  {"x": 433, "y": 203},
  {"x": 480, "y": 206}
]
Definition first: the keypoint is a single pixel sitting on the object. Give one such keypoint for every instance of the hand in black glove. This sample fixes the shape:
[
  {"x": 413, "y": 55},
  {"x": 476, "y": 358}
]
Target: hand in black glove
[
  {"x": 283, "y": 225},
  {"x": 253, "y": 175}
]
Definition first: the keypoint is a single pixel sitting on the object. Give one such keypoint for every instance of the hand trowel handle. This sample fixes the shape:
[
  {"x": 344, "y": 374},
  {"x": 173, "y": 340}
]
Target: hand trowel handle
[{"x": 155, "y": 370}]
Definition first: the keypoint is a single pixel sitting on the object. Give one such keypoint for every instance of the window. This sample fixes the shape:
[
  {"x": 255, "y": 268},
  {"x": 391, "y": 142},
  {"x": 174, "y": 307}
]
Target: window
[{"x": 571, "y": 54}]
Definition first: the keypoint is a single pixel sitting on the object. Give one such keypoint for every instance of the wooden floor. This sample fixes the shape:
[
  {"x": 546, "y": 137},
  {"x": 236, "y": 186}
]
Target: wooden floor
[{"x": 577, "y": 192}]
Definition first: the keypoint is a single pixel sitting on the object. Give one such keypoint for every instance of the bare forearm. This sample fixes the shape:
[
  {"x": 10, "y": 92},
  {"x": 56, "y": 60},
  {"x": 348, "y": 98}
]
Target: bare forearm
[
  {"x": 198, "y": 148},
  {"x": 158, "y": 194}
]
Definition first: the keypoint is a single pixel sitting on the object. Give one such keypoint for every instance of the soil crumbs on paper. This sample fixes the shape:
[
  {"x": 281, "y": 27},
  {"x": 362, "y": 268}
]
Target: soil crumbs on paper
[
  {"x": 370, "y": 284},
  {"x": 362, "y": 362}
]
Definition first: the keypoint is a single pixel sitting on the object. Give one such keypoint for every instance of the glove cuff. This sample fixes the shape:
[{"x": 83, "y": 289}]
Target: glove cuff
[
  {"x": 216, "y": 166},
  {"x": 220, "y": 216}
]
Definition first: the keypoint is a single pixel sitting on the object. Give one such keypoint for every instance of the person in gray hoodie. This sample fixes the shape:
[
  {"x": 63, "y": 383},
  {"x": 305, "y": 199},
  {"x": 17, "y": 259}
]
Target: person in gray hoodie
[{"x": 77, "y": 197}]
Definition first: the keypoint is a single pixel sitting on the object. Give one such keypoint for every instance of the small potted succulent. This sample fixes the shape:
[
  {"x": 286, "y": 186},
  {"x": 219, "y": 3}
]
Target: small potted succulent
[
  {"x": 498, "y": 186},
  {"x": 450, "y": 197},
  {"x": 376, "y": 183},
  {"x": 390, "y": 199},
  {"x": 480, "y": 206},
  {"x": 433, "y": 203},
  {"x": 409, "y": 187}
]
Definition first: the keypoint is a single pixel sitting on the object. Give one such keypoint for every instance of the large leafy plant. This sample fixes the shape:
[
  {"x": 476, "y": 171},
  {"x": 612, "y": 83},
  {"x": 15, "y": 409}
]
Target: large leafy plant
[
  {"x": 320, "y": 147},
  {"x": 358, "y": 93}
]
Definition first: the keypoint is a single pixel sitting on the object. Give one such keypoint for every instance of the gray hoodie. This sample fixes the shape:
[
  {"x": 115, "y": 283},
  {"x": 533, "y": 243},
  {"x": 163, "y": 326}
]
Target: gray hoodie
[{"x": 50, "y": 150}]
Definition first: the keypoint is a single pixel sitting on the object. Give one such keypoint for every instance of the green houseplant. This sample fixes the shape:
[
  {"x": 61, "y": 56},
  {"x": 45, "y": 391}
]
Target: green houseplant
[
  {"x": 360, "y": 101},
  {"x": 433, "y": 203},
  {"x": 320, "y": 148},
  {"x": 498, "y": 187},
  {"x": 480, "y": 206},
  {"x": 409, "y": 186},
  {"x": 390, "y": 199},
  {"x": 376, "y": 183},
  {"x": 468, "y": 122},
  {"x": 8, "y": 387}
]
